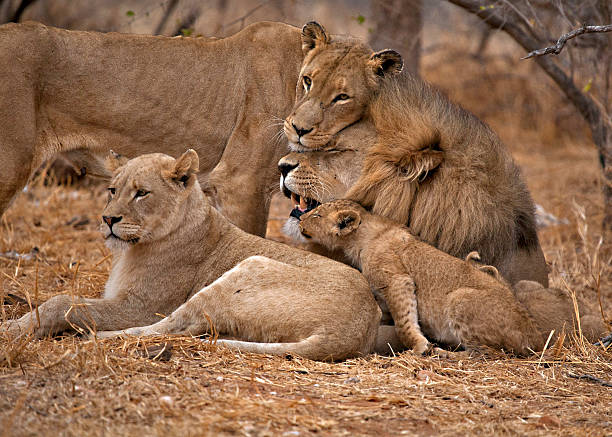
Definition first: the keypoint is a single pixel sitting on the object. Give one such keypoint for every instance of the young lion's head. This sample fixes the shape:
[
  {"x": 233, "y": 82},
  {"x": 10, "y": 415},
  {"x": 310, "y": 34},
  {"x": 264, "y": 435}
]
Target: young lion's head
[
  {"x": 338, "y": 78},
  {"x": 332, "y": 224},
  {"x": 147, "y": 197}
]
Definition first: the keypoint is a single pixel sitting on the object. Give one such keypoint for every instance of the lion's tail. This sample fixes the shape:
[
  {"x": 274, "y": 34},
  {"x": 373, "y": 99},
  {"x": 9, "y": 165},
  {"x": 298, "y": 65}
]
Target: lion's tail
[{"x": 312, "y": 347}]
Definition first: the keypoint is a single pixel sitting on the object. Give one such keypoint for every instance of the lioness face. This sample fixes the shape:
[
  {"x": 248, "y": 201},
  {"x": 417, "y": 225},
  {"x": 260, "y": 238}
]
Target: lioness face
[
  {"x": 337, "y": 81},
  {"x": 145, "y": 198},
  {"x": 331, "y": 224}
]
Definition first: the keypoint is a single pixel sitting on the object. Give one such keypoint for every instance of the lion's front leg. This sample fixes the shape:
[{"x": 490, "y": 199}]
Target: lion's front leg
[
  {"x": 244, "y": 179},
  {"x": 401, "y": 299},
  {"x": 50, "y": 320},
  {"x": 61, "y": 313}
]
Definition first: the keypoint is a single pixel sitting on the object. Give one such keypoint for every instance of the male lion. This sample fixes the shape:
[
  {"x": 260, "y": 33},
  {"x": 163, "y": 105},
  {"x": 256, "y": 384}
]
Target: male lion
[
  {"x": 85, "y": 92},
  {"x": 457, "y": 303},
  {"x": 395, "y": 144},
  {"x": 175, "y": 254}
]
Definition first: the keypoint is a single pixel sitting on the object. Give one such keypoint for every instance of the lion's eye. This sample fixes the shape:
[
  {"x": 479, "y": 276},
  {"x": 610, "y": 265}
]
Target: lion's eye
[
  {"x": 141, "y": 193},
  {"x": 307, "y": 83},
  {"x": 340, "y": 97},
  {"x": 111, "y": 191}
]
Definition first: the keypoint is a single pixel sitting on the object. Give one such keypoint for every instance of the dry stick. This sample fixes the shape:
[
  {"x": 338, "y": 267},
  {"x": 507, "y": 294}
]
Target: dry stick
[
  {"x": 27, "y": 295},
  {"x": 243, "y": 18},
  {"x": 36, "y": 295},
  {"x": 556, "y": 49},
  {"x": 213, "y": 331},
  {"x": 3, "y": 296},
  {"x": 576, "y": 311},
  {"x": 591, "y": 378},
  {"x": 103, "y": 259},
  {"x": 599, "y": 299},
  {"x": 58, "y": 361},
  {"x": 552, "y": 332},
  {"x": 73, "y": 291}
]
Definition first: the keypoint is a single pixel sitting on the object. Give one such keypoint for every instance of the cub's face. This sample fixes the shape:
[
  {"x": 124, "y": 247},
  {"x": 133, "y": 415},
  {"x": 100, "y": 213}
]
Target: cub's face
[
  {"x": 331, "y": 224},
  {"x": 145, "y": 199},
  {"x": 337, "y": 81}
]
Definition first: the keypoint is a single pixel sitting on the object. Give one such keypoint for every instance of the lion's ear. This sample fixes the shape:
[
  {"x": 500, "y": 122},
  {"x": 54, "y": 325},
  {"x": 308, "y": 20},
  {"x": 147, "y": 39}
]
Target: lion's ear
[
  {"x": 417, "y": 165},
  {"x": 386, "y": 63},
  {"x": 114, "y": 161},
  {"x": 313, "y": 35},
  {"x": 185, "y": 167},
  {"x": 347, "y": 221}
]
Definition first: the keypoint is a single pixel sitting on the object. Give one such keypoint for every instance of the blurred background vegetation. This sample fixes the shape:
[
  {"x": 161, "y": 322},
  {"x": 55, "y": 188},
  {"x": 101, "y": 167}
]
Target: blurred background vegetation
[{"x": 449, "y": 45}]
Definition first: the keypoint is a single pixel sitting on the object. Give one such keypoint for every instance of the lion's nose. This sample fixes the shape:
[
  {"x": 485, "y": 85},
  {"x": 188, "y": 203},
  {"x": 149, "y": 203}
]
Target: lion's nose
[
  {"x": 110, "y": 221},
  {"x": 286, "y": 167},
  {"x": 300, "y": 132}
]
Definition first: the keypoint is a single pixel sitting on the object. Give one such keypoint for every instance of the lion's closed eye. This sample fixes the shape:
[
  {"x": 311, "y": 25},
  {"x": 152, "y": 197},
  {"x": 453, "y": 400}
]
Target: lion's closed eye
[{"x": 141, "y": 194}]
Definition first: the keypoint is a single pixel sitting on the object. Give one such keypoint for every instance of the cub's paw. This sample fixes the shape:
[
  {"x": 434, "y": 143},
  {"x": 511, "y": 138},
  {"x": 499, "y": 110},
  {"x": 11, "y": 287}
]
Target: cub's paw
[{"x": 422, "y": 347}]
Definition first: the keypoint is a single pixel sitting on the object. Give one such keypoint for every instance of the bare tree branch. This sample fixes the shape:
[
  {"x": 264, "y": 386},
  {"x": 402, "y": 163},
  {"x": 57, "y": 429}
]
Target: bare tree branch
[
  {"x": 243, "y": 18},
  {"x": 556, "y": 49},
  {"x": 599, "y": 123},
  {"x": 23, "y": 4},
  {"x": 169, "y": 10},
  {"x": 583, "y": 103}
]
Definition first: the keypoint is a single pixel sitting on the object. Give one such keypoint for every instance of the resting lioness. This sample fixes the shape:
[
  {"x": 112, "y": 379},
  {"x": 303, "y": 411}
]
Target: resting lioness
[
  {"x": 390, "y": 141},
  {"x": 457, "y": 303},
  {"x": 85, "y": 92},
  {"x": 174, "y": 252}
]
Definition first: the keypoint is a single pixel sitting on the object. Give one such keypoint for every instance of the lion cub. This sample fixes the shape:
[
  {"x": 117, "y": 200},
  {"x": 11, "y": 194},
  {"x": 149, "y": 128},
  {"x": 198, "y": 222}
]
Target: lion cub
[{"x": 457, "y": 303}]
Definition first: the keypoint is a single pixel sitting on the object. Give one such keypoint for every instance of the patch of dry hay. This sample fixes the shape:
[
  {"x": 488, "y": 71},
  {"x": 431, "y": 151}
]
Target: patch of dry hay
[{"x": 79, "y": 386}]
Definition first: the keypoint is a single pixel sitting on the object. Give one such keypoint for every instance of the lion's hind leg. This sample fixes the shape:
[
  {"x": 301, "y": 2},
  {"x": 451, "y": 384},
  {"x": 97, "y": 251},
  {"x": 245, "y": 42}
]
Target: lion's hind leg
[
  {"x": 553, "y": 310},
  {"x": 259, "y": 304},
  {"x": 491, "y": 318},
  {"x": 197, "y": 316},
  {"x": 401, "y": 299}
]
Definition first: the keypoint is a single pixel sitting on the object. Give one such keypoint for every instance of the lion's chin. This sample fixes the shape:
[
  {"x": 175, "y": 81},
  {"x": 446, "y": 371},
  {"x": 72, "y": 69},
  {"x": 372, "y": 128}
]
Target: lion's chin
[{"x": 115, "y": 243}]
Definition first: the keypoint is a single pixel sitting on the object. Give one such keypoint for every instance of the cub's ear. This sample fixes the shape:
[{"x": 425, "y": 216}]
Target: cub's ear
[
  {"x": 386, "y": 63},
  {"x": 415, "y": 166},
  {"x": 185, "y": 166},
  {"x": 313, "y": 35},
  {"x": 347, "y": 221},
  {"x": 114, "y": 161}
]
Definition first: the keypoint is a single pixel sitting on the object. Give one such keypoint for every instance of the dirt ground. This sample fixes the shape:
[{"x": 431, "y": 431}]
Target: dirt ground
[
  {"x": 73, "y": 386},
  {"x": 49, "y": 244}
]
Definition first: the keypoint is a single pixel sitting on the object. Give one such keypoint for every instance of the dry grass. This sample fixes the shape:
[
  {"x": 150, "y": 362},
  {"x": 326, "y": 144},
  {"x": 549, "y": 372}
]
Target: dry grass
[{"x": 74, "y": 386}]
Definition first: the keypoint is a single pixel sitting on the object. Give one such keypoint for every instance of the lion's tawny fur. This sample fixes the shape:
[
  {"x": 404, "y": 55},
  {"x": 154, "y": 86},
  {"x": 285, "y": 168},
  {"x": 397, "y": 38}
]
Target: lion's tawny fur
[
  {"x": 84, "y": 93},
  {"x": 403, "y": 150},
  {"x": 174, "y": 254},
  {"x": 457, "y": 303}
]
